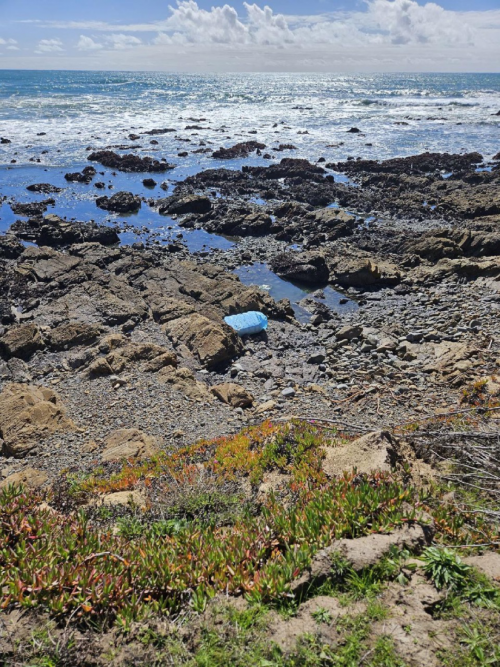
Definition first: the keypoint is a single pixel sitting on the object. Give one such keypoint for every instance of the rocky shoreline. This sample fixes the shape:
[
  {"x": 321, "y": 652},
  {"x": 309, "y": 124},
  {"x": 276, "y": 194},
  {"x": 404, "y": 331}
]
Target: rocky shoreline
[
  {"x": 133, "y": 336},
  {"x": 182, "y": 495}
]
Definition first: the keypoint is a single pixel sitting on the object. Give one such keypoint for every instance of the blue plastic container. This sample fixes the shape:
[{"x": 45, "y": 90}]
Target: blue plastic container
[{"x": 246, "y": 324}]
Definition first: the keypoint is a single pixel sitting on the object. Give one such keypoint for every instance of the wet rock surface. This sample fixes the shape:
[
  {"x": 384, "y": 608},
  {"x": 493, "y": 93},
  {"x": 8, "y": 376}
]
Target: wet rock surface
[
  {"x": 85, "y": 176},
  {"x": 121, "y": 202},
  {"x": 239, "y": 150},
  {"x": 52, "y": 230},
  {"x": 129, "y": 162}
]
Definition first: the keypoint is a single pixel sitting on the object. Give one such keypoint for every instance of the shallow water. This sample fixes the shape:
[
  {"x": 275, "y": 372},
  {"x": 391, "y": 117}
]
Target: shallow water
[
  {"x": 260, "y": 274},
  {"x": 54, "y": 117},
  {"x": 77, "y": 201}
]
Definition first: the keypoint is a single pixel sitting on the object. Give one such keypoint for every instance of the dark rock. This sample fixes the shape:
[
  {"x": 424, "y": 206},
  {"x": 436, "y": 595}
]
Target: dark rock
[
  {"x": 54, "y": 231},
  {"x": 85, "y": 176},
  {"x": 434, "y": 248},
  {"x": 31, "y": 208},
  {"x": 21, "y": 341},
  {"x": 239, "y": 150},
  {"x": 129, "y": 162},
  {"x": 354, "y": 130},
  {"x": 287, "y": 168},
  {"x": 3, "y": 140},
  {"x": 415, "y": 164},
  {"x": 236, "y": 223},
  {"x": 213, "y": 343},
  {"x": 10, "y": 248},
  {"x": 478, "y": 244},
  {"x": 71, "y": 335},
  {"x": 285, "y": 147},
  {"x": 44, "y": 188},
  {"x": 121, "y": 202},
  {"x": 305, "y": 267},
  {"x": 349, "y": 332},
  {"x": 357, "y": 272},
  {"x": 149, "y": 183},
  {"x": 187, "y": 204},
  {"x": 153, "y": 133}
]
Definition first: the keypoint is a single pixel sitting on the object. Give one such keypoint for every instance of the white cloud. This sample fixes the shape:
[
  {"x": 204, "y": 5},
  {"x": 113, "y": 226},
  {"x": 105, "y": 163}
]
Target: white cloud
[
  {"x": 122, "y": 42},
  {"x": 49, "y": 46},
  {"x": 396, "y": 22},
  {"x": 220, "y": 25},
  {"x": 10, "y": 44},
  {"x": 86, "y": 43},
  {"x": 408, "y": 22},
  {"x": 387, "y": 35}
]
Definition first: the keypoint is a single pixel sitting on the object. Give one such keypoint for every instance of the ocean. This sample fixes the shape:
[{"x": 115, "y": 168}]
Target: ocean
[
  {"x": 53, "y": 118},
  {"x": 399, "y": 114}
]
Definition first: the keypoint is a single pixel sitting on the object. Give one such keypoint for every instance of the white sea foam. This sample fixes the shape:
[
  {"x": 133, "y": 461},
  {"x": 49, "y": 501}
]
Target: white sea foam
[{"x": 433, "y": 112}]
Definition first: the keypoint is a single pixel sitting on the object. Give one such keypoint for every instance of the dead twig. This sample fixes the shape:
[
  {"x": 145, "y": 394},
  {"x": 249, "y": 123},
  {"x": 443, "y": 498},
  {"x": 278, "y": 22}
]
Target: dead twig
[{"x": 102, "y": 554}]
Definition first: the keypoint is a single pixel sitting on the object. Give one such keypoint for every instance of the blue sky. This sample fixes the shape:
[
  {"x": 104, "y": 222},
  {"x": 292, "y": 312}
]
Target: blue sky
[
  {"x": 153, "y": 9},
  {"x": 280, "y": 35}
]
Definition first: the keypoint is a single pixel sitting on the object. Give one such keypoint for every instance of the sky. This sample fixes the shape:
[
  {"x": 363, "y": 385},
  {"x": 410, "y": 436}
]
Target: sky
[{"x": 282, "y": 35}]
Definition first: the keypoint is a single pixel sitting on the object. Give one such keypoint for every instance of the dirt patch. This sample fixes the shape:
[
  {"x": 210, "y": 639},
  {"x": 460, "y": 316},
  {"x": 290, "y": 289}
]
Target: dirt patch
[{"x": 286, "y": 633}]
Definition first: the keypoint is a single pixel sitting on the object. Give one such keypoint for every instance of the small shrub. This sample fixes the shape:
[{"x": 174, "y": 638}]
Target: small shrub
[{"x": 446, "y": 569}]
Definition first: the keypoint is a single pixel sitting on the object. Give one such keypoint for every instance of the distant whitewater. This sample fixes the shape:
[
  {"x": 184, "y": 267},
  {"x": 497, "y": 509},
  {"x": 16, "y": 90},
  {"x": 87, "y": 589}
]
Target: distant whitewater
[{"x": 54, "y": 116}]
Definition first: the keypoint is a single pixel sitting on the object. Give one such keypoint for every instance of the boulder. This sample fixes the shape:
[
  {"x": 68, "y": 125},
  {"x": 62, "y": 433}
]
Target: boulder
[
  {"x": 99, "y": 368},
  {"x": 373, "y": 451},
  {"x": 10, "y": 247},
  {"x": 186, "y": 204},
  {"x": 127, "y": 498},
  {"x": 445, "y": 356},
  {"x": 304, "y": 267},
  {"x": 479, "y": 244},
  {"x": 21, "y": 341},
  {"x": 54, "y": 231},
  {"x": 29, "y": 413},
  {"x": 85, "y": 176},
  {"x": 15, "y": 370},
  {"x": 163, "y": 360},
  {"x": 55, "y": 267},
  {"x": 253, "y": 224},
  {"x": 121, "y": 202},
  {"x": 238, "y": 151},
  {"x": 212, "y": 343},
  {"x": 435, "y": 248},
  {"x": 30, "y": 209},
  {"x": 71, "y": 335},
  {"x": 129, "y": 162},
  {"x": 357, "y": 272},
  {"x": 349, "y": 332},
  {"x": 120, "y": 352},
  {"x": 184, "y": 381},
  {"x": 334, "y": 222},
  {"x": 129, "y": 443},
  {"x": 265, "y": 407},
  {"x": 288, "y": 168},
  {"x": 165, "y": 308},
  {"x": 44, "y": 188},
  {"x": 233, "y": 394},
  {"x": 29, "y": 478}
]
